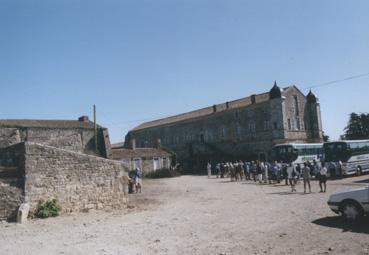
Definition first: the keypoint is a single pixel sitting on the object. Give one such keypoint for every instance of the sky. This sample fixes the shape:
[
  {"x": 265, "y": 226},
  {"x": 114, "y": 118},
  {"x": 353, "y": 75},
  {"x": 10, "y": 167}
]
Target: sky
[{"x": 140, "y": 60}]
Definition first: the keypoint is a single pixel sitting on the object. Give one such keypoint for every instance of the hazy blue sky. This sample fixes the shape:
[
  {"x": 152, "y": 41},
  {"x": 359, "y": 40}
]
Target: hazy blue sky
[{"x": 140, "y": 60}]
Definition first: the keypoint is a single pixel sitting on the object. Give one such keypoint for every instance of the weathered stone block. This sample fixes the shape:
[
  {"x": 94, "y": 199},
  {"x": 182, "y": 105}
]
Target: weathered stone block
[{"x": 23, "y": 213}]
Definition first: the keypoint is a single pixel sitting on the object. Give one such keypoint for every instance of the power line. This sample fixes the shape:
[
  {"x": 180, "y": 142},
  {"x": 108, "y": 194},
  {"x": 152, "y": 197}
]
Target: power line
[{"x": 337, "y": 81}]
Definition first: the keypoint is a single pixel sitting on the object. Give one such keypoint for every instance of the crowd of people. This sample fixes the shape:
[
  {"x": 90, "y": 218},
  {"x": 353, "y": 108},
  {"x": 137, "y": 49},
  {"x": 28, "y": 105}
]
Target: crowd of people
[{"x": 271, "y": 173}]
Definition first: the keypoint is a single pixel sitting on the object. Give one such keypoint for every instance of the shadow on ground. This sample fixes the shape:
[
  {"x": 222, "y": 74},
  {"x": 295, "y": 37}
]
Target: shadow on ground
[
  {"x": 289, "y": 193},
  {"x": 363, "y": 181},
  {"x": 359, "y": 226}
]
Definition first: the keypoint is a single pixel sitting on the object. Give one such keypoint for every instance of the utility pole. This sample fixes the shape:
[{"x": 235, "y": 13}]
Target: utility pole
[{"x": 95, "y": 128}]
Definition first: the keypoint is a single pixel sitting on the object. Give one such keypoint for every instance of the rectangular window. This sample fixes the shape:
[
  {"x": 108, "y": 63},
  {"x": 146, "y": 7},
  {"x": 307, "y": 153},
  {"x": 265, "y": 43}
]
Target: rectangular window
[
  {"x": 236, "y": 114},
  {"x": 223, "y": 132},
  {"x": 289, "y": 124},
  {"x": 238, "y": 131},
  {"x": 165, "y": 163},
  {"x": 156, "y": 164},
  {"x": 298, "y": 127},
  {"x": 137, "y": 163},
  {"x": 252, "y": 127},
  {"x": 209, "y": 135},
  {"x": 296, "y": 104}
]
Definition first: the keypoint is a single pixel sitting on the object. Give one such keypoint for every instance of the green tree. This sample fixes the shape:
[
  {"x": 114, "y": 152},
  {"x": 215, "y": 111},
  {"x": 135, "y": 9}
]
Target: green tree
[
  {"x": 357, "y": 127},
  {"x": 325, "y": 137}
]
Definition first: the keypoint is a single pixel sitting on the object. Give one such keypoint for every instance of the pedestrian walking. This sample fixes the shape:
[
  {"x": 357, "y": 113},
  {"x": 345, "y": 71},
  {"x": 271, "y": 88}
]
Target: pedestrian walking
[
  {"x": 306, "y": 177},
  {"x": 292, "y": 175}
]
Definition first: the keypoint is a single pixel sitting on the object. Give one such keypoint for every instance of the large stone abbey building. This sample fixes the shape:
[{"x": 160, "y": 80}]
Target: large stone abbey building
[{"x": 245, "y": 129}]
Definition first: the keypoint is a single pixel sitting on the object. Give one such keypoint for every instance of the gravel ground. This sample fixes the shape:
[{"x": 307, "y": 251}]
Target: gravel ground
[{"x": 197, "y": 215}]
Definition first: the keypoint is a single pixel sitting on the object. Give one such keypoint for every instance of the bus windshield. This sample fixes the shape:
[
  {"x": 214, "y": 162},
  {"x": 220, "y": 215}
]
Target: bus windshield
[
  {"x": 285, "y": 153},
  {"x": 336, "y": 151}
]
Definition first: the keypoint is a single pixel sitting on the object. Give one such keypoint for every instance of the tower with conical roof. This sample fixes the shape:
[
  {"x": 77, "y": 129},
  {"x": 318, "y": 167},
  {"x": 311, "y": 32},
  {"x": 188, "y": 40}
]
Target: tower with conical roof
[
  {"x": 313, "y": 118},
  {"x": 277, "y": 104}
]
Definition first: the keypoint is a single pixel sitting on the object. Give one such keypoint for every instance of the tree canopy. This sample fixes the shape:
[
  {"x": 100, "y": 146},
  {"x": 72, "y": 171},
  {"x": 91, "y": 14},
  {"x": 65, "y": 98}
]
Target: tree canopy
[{"x": 357, "y": 127}]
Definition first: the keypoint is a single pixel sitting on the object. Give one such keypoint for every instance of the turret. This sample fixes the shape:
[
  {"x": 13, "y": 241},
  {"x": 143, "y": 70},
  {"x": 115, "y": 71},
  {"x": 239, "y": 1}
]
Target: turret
[{"x": 275, "y": 92}]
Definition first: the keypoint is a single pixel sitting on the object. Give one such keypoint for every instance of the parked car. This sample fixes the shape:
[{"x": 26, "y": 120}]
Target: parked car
[{"x": 351, "y": 204}]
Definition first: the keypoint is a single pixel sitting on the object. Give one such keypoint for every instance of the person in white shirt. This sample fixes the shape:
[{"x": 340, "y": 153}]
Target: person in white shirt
[
  {"x": 323, "y": 178},
  {"x": 209, "y": 169},
  {"x": 292, "y": 175}
]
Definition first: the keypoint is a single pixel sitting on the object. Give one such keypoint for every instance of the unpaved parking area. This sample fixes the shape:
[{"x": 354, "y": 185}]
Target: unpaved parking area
[{"x": 197, "y": 215}]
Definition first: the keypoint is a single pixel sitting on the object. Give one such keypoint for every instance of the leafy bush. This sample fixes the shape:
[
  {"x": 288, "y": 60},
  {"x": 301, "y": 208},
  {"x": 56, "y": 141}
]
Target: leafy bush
[
  {"x": 162, "y": 173},
  {"x": 47, "y": 209}
]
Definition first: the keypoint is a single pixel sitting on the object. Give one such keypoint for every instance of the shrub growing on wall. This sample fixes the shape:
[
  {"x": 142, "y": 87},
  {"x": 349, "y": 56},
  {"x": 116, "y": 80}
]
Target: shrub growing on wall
[{"x": 47, "y": 209}]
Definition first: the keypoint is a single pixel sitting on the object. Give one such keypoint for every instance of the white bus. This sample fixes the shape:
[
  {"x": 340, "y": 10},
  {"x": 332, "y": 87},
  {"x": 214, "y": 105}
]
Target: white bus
[
  {"x": 298, "y": 153},
  {"x": 354, "y": 155}
]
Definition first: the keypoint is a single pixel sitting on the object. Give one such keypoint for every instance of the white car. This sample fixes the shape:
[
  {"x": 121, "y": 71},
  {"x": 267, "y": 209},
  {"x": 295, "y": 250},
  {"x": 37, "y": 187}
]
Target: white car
[{"x": 350, "y": 204}]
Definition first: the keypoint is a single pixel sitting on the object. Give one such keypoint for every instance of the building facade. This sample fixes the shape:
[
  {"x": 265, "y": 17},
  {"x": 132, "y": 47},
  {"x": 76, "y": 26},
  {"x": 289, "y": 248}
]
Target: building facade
[
  {"x": 147, "y": 159},
  {"x": 74, "y": 135},
  {"x": 244, "y": 129}
]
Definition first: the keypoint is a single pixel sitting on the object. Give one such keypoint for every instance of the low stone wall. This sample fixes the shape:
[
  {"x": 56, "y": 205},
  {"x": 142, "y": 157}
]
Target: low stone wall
[
  {"x": 79, "y": 182},
  {"x": 31, "y": 172}
]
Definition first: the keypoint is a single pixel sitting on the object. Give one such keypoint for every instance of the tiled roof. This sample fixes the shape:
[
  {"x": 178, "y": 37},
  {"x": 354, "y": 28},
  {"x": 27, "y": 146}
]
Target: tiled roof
[
  {"x": 118, "y": 154},
  {"x": 48, "y": 124},
  {"x": 207, "y": 111},
  {"x": 117, "y": 145}
]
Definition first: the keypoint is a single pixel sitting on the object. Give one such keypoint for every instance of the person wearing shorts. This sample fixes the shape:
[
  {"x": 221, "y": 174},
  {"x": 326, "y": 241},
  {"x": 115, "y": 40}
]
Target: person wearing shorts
[{"x": 323, "y": 178}]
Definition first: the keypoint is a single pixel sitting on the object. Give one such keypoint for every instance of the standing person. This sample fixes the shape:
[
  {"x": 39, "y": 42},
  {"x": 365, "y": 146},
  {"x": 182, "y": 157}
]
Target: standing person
[
  {"x": 339, "y": 169},
  {"x": 292, "y": 175},
  {"x": 217, "y": 167},
  {"x": 274, "y": 171},
  {"x": 246, "y": 168},
  {"x": 259, "y": 171},
  {"x": 279, "y": 169},
  {"x": 306, "y": 177},
  {"x": 298, "y": 170},
  {"x": 316, "y": 169},
  {"x": 323, "y": 178},
  {"x": 253, "y": 170},
  {"x": 138, "y": 181},
  {"x": 209, "y": 169},
  {"x": 285, "y": 174}
]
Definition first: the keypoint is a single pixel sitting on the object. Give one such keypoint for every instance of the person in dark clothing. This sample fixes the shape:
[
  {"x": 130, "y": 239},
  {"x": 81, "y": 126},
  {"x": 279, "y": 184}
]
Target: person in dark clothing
[{"x": 284, "y": 173}]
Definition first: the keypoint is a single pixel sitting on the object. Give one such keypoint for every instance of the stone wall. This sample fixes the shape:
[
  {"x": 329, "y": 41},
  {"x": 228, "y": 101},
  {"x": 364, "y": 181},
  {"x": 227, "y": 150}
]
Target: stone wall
[
  {"x": 10, "y": 136},
  {"x": 31, "y": 172},
  {"x": 78, "y": 181},
  {"x": 11, "y": 181},
  {"x": 74, "y": 139}
]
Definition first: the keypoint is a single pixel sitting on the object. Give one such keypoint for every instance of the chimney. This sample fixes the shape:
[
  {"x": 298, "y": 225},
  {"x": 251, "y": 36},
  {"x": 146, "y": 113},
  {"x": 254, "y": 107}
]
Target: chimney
[
  {"x": 214, "y": 108},
  {"x": 253, "y": 99},
  {"x": 227, "y": 105},
  {"x": 83, "y": 118}
]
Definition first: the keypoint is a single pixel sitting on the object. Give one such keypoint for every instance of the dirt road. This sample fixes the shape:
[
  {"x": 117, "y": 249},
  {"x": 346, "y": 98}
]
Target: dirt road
[{"x": 197, "y": 215}]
